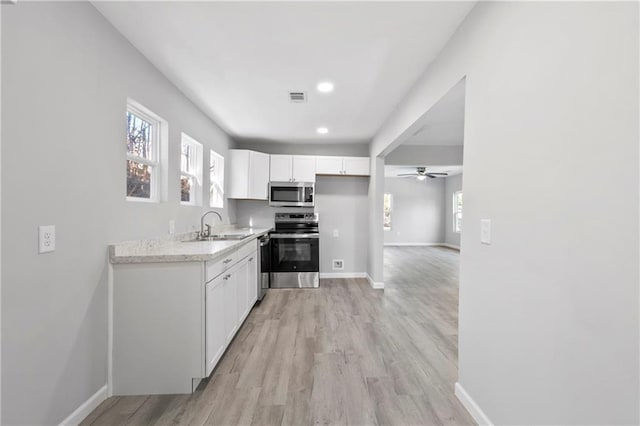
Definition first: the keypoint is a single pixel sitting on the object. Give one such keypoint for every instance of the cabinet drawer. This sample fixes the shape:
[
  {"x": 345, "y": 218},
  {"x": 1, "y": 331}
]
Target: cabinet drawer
[
  {"x": 216, "y": 267},
  {"x": 247, "y": 249}
]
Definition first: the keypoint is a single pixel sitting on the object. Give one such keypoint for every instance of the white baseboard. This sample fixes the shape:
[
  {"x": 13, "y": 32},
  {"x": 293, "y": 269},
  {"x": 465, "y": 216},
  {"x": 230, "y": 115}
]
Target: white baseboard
[
  {"x": 451, "y": 246},
  {"x": 411, "y": 244},
  {"x": 476, "y": 412},
  {"x": 86, "y": 408},
  {"x": 375, "y": 285},
  {"x": 343, "y": 275}
]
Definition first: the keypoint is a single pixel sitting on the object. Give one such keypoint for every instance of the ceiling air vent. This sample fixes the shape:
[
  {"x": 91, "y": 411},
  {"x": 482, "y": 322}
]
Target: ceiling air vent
[{"x": 297, "y": 97}]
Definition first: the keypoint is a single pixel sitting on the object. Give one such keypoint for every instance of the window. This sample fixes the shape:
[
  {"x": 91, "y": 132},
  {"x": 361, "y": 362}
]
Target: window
[
  {"x": 388, "y": 200},
  {"x": 457, "y": 211},
  {"x": 144, "y": 131},
  {"x": 191, "y": 172},
  {"x": 216, "y": 174}
]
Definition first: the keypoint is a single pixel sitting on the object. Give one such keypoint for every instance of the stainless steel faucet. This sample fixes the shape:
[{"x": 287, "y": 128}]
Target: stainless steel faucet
[{"x": 207, "y": 233}]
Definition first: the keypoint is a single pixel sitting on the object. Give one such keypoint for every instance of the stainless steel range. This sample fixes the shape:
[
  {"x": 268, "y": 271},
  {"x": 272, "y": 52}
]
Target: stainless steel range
[{"x": 295, "y": 251}]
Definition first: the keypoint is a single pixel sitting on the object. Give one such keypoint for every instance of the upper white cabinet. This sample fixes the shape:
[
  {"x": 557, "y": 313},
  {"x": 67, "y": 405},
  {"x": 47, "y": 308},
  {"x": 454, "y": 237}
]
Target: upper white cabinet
[
  {"x": 249, "y": 174},
  {"x": 293, "y": 168},
  {"x": 354, "y": 166}
]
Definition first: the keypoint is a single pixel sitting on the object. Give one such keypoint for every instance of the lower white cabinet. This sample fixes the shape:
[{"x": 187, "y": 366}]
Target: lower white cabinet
[
  {"x": 229, "y": 299},
  {"x": 173, "y": 321},
  {"x": 216, "y": 336},
  {"x": 253, "y": 280}
]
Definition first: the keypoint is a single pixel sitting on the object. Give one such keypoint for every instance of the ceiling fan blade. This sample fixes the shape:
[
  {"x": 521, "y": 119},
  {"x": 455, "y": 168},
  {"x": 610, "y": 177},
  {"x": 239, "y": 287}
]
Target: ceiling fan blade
[
  {"x": 408, "y": 174},
  {"x": 438, "y": 174}
]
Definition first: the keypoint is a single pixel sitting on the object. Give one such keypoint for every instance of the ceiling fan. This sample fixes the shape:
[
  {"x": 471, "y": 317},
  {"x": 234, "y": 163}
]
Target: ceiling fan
[{"x": 422, "y": 174}]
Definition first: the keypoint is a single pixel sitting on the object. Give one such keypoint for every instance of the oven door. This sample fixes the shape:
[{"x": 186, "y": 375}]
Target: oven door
[{"x": 295, "y": 253}]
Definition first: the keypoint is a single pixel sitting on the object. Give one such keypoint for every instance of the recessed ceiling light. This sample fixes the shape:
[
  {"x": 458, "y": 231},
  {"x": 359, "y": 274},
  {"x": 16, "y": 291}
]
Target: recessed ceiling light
[
  {"x": 322, "y": 130},
  {"x": 422, "y": 177},
  {"x": 325, "y": 87}
]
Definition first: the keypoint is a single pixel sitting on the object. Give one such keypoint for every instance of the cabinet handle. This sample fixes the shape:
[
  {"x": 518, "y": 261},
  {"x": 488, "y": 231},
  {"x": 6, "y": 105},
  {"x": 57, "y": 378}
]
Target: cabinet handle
[{"x": 227, "y": 260}]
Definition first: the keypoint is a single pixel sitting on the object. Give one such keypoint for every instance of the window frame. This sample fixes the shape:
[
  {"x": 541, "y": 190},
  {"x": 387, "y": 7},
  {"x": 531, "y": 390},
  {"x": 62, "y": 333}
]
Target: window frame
[
  {"x": 214, "y": 155},
  {"x": 384, "y": 212},
  {"x": 159, "y": 131},
  {"x": 457, "y": 211},
  {"x": 196, "y": 175}
]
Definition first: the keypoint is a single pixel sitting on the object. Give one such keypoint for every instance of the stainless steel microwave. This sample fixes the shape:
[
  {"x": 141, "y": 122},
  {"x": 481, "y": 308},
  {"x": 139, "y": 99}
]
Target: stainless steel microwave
[{"x": 291, "y": 194}]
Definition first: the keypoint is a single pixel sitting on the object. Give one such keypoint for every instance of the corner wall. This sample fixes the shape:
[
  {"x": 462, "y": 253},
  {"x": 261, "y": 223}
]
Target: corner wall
[
  {"x": 548, "y": 324},
  {"x": 66, "y": 76}
]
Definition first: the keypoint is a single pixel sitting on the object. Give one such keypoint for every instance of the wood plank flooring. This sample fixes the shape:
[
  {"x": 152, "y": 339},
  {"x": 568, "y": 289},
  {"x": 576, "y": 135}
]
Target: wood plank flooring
[{"x": 341, "y": 354}]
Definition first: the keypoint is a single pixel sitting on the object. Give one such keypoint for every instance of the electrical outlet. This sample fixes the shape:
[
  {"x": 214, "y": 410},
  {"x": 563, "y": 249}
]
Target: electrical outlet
[
  {"x": 172, "y": 226},
  {"x": 485, "y": 231},
  {"x": 338, "y": 264},
  {"x": 46, "y": 238},
  {"x": 336, "y": 233}
]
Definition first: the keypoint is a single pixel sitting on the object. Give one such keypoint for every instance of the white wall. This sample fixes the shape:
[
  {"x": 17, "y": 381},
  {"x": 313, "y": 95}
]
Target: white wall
[
  {"x": 452, "y": 184},
  {"x": 342, "y": 204},
  {"x": 548, "y": 312},
  {"x": 66, "y": 75},
  {"x": 418, "y": 211},
  {"x": 416, "y": 155}
]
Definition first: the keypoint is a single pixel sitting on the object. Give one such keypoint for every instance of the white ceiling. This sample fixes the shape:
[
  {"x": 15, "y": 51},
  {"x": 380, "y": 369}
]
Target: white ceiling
[
  {"x": 238, "y": 60},
  {"x": 444, "y": 122},
  {"x": 394, "y": 171}
]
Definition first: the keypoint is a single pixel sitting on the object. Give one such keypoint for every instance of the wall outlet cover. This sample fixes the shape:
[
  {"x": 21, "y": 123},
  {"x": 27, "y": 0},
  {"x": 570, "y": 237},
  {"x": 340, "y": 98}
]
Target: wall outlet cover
[
  {"x": 338, "y": 264},
  {"x": 485, "y": 231},
  {"x": 46, "y": 238}
]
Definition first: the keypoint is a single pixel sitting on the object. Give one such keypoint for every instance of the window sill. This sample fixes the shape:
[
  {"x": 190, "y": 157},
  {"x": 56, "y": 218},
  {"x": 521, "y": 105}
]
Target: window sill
[{"x": 142, "y": 200}]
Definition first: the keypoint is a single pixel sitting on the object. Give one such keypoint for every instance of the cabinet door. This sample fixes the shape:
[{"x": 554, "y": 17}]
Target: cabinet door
[
  {"x": 258, "y": 176},
  {"x": 304, "y": 168},
  {"x": 215, "y": 335},
  {"x": 239, "y": 173},
  {"x": 230, "y": 306},
  {"x": 253, "y": 279},
  {"x": 356, "y": 166},
  {"x": 329, "y": 165},
  {"x": 280, "y": 170},
  {"x": 242, "y": 289}
]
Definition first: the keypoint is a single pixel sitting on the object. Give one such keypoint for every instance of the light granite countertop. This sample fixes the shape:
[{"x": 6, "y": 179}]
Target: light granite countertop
[{"x": 178, "y": 248}]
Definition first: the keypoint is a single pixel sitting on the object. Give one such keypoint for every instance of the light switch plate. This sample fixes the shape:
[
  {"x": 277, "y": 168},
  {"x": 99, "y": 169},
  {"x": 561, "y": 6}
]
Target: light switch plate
[
  {"x": 46, "y": 238},
  {"x": 336, "y": 233},
  {"x": 485, "y": 231},
  {"x": 172, "y": 226}
]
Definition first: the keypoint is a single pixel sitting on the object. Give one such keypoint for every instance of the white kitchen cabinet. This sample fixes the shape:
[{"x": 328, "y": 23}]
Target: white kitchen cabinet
[
  {"x": 293, "y": 168},
  {"x": 281, "y": 168},
  {"x": 241, "y": 277},
  {"x": 329, "y": 166},
  {"x": 252, "y": 280},
  {"x": 249, "y": 172},
  {"x": 216, "y": 338},
  {"x": 356, "y": 166},
  {"x": 230, "y": 300},
  {"x": 195, "y": 311},
  {"x": 346, "y": 166}
]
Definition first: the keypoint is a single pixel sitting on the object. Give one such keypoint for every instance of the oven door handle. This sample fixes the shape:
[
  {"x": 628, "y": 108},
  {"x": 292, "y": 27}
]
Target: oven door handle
[{"x": 294, "y": 236}]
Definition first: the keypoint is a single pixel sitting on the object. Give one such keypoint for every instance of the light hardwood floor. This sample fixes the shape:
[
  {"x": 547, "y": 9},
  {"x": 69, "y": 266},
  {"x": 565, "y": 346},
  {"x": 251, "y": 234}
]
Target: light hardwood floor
[{"x": 340, "y": 354}]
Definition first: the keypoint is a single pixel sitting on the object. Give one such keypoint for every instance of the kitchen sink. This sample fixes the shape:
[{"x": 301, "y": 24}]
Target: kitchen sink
[{"x": 221, "y": 237}]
